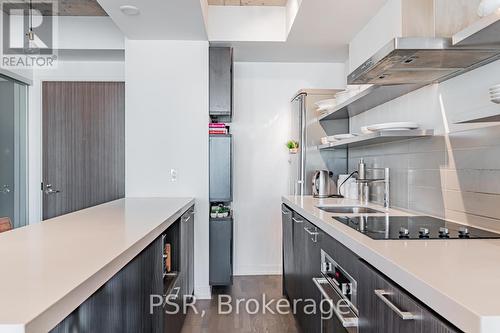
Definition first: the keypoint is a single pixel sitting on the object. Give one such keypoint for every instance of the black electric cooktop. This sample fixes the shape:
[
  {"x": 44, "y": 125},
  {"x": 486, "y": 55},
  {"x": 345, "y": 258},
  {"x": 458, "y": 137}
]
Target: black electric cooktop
[{"x": 413, "y": 227}]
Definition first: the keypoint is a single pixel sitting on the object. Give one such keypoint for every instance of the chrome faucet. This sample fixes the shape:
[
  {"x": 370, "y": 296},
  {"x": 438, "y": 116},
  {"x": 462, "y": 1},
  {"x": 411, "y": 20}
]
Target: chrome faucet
[{"x": 363, "y": 180}]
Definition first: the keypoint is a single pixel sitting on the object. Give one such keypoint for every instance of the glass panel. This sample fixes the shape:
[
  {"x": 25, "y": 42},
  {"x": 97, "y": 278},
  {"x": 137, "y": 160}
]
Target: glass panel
[{"x": 13, "y": 158}]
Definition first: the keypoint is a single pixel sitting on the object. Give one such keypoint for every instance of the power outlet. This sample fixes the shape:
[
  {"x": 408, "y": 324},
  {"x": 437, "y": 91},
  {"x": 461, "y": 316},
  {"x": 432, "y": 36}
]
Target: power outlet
[{"x": 173, "y": 175}]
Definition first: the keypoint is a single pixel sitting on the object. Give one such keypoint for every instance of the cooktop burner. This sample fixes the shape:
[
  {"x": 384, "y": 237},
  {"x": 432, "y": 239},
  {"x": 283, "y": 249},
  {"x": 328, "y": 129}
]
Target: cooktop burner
[{"x": 413, "y": 227}]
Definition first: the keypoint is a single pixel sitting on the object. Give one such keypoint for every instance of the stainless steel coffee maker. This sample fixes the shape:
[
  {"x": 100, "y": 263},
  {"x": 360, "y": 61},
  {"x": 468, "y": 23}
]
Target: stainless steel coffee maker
[{"x": 323, "y": 185}]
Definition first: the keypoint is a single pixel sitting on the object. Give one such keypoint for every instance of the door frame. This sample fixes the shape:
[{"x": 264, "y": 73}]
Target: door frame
[{"x": 20, "y": 169}]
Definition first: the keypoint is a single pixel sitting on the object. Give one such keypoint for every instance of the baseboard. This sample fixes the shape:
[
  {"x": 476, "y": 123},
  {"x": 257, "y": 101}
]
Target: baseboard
[
  {"x": 258, "y": 270},
  {"x": 203, "y": 292}
]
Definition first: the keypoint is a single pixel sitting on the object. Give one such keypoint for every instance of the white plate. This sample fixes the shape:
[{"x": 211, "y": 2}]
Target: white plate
[
  {"x": 326, "y": 104},
  {"x": 393, "y": 126},
  {"x": 343, "y": 136},
  {"x": 365, "y": 130}
]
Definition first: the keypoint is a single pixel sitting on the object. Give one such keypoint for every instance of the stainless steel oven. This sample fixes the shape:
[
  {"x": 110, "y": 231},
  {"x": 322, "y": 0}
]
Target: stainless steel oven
[{"x": 338, "y": 297}]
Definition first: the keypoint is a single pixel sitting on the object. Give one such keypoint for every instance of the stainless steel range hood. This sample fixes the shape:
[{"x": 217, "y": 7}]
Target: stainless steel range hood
[{"x": 421, "y": 60}]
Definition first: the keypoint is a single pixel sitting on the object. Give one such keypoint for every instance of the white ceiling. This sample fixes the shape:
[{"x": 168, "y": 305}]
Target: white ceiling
[
  {"x": 320, "y": 32},
  {"x": 159, "y": 19}
]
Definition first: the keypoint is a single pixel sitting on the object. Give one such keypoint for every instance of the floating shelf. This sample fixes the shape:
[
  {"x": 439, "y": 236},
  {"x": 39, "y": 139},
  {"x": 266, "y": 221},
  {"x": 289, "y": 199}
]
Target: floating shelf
[
  {"x": 377, "y": 137},
  {"x": 483, "y": 32},
  {"x": 368, "y": 99}
]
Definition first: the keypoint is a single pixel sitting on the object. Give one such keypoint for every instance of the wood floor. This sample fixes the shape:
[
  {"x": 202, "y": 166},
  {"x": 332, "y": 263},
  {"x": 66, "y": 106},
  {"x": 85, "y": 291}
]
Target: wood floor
[{"x": 243, "y": 287}]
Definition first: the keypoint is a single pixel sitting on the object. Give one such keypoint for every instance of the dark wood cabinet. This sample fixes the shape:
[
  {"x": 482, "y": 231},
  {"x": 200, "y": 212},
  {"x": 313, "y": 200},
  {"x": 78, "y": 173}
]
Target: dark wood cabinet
[
  {"x": 312, "y": 269},
  {"x": 186, "y": 254},
  {"x": 288, "y": 261},
  {"x": 433, "y": 324},
  {"x": 123, "y": 303},
  {"x": 221, "y": 251},
  {"x": 221, "y": 81},
  {"x": 383, "y": 306},
  {"x": 301, "y": 263}
]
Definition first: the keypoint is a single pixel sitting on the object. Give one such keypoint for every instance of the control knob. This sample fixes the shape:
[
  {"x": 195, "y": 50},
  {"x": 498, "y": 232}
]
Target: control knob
[
  {"x": 404, "y": 232},
  {"x": 424, "y": 233},
  {"x": 444, "y": 232},
  {"x": 463, "y": 232}
]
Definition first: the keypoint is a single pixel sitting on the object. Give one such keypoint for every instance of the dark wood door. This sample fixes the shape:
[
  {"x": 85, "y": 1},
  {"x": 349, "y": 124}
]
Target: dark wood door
[
  {"x": 190, "y": 279},
  {"x": 83, "y": 145},
  {"x": 287, "y": 230},
  {"x": 299, "y": 264}
]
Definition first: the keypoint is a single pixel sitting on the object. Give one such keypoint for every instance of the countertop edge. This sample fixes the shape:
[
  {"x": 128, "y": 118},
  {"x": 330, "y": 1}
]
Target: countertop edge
[
  {"x": 52, "y": 316},
  {"x": 454, "y": 312}
]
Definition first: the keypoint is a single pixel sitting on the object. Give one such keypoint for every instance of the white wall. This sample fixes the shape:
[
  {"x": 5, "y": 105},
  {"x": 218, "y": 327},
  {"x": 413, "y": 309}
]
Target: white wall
[
  {"x": 167, "y": 128},
  {"x": 385, "y": 25},
  {"x": 65, "y": 71},
  {"x": 261, "y": 127}
]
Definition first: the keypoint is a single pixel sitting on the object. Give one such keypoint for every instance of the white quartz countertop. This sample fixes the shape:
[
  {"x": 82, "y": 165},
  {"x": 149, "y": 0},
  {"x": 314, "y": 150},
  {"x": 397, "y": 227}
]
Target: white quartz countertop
[
  {"x": 459, "y": 279},
  {"x": 50, "y": 268}
]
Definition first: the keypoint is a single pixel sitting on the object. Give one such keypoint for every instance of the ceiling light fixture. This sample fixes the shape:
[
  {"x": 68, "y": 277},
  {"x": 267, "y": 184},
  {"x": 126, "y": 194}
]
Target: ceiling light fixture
[{"x": 130, "y": 10}]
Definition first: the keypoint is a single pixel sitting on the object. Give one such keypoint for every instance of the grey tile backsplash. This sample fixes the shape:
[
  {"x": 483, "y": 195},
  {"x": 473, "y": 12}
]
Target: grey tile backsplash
[{"x": 451, "y": 176}]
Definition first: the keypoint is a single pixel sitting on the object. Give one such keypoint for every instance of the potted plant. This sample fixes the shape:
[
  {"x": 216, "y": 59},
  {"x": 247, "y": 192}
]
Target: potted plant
[
  {"x": 293, "y": 146},
  {"x": 223, "y": 212}
]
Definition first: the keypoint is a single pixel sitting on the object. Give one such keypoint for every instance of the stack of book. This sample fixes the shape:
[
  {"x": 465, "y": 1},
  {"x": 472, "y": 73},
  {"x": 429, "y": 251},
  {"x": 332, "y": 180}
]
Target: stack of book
[{"x": 217, "y": 128}]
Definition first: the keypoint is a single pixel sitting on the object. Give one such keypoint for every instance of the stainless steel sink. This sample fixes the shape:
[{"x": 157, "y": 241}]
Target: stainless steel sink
[{"x": 349, "y": 210}]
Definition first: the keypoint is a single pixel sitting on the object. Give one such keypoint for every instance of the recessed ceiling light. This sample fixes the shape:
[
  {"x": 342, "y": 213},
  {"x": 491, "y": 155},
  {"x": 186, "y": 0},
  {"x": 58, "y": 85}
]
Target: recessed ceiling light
[{"x": 130, "y": 10}]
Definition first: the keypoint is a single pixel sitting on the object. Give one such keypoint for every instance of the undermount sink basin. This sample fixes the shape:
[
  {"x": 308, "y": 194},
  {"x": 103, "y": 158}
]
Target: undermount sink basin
[{"x": 349, "y": 210}]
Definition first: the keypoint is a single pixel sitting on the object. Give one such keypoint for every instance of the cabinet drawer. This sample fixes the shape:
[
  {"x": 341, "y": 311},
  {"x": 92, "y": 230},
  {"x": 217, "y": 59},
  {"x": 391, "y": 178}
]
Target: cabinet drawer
[{"x": 384, "y": 307}]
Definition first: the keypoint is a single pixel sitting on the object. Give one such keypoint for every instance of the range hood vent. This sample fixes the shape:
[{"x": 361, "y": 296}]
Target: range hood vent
[{"x": 421, "y": 60}]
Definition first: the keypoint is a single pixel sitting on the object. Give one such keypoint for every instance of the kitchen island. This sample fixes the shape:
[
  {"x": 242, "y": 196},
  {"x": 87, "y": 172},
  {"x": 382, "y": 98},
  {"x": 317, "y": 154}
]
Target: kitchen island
[
  {"x": 51, "y": 268},
  {"x": 456, "y": 279}
]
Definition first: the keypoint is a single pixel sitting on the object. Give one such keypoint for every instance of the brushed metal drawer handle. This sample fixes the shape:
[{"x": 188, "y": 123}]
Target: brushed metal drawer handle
[
  {"x": 296, "y": 220},
  {"x": 187, "y": 218},
  {"x": 285, "y": 213},
  {"x": 402, "y": 314},
  {"x": 314, "y": 234}
]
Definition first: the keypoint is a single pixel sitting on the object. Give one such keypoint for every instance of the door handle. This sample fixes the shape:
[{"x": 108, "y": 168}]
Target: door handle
[
  {"x": 381, "y": 294},
  {"x": 297, "y": 220},
  {"x": 285, "y": 212},
  {"x": 49, "y": 190},
  {"x": 314, "y": 233},
  {"x": 187, "y": 218},
  {"x": 5, "y": 189},
  {"x": 346, "y": 322}
]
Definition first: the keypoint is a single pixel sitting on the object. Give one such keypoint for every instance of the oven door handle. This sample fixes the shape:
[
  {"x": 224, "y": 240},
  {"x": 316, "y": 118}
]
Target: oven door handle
[{"x": 346, "y": 322}]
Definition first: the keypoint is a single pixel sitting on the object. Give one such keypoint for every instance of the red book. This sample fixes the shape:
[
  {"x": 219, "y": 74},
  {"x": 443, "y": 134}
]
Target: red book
[
  {"x": 217, "y": 125},
  {"x": 217, "y": 132}
]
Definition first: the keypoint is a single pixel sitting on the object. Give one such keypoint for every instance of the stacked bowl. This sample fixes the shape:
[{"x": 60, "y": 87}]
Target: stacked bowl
[{"x": 495, "y": 94}]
